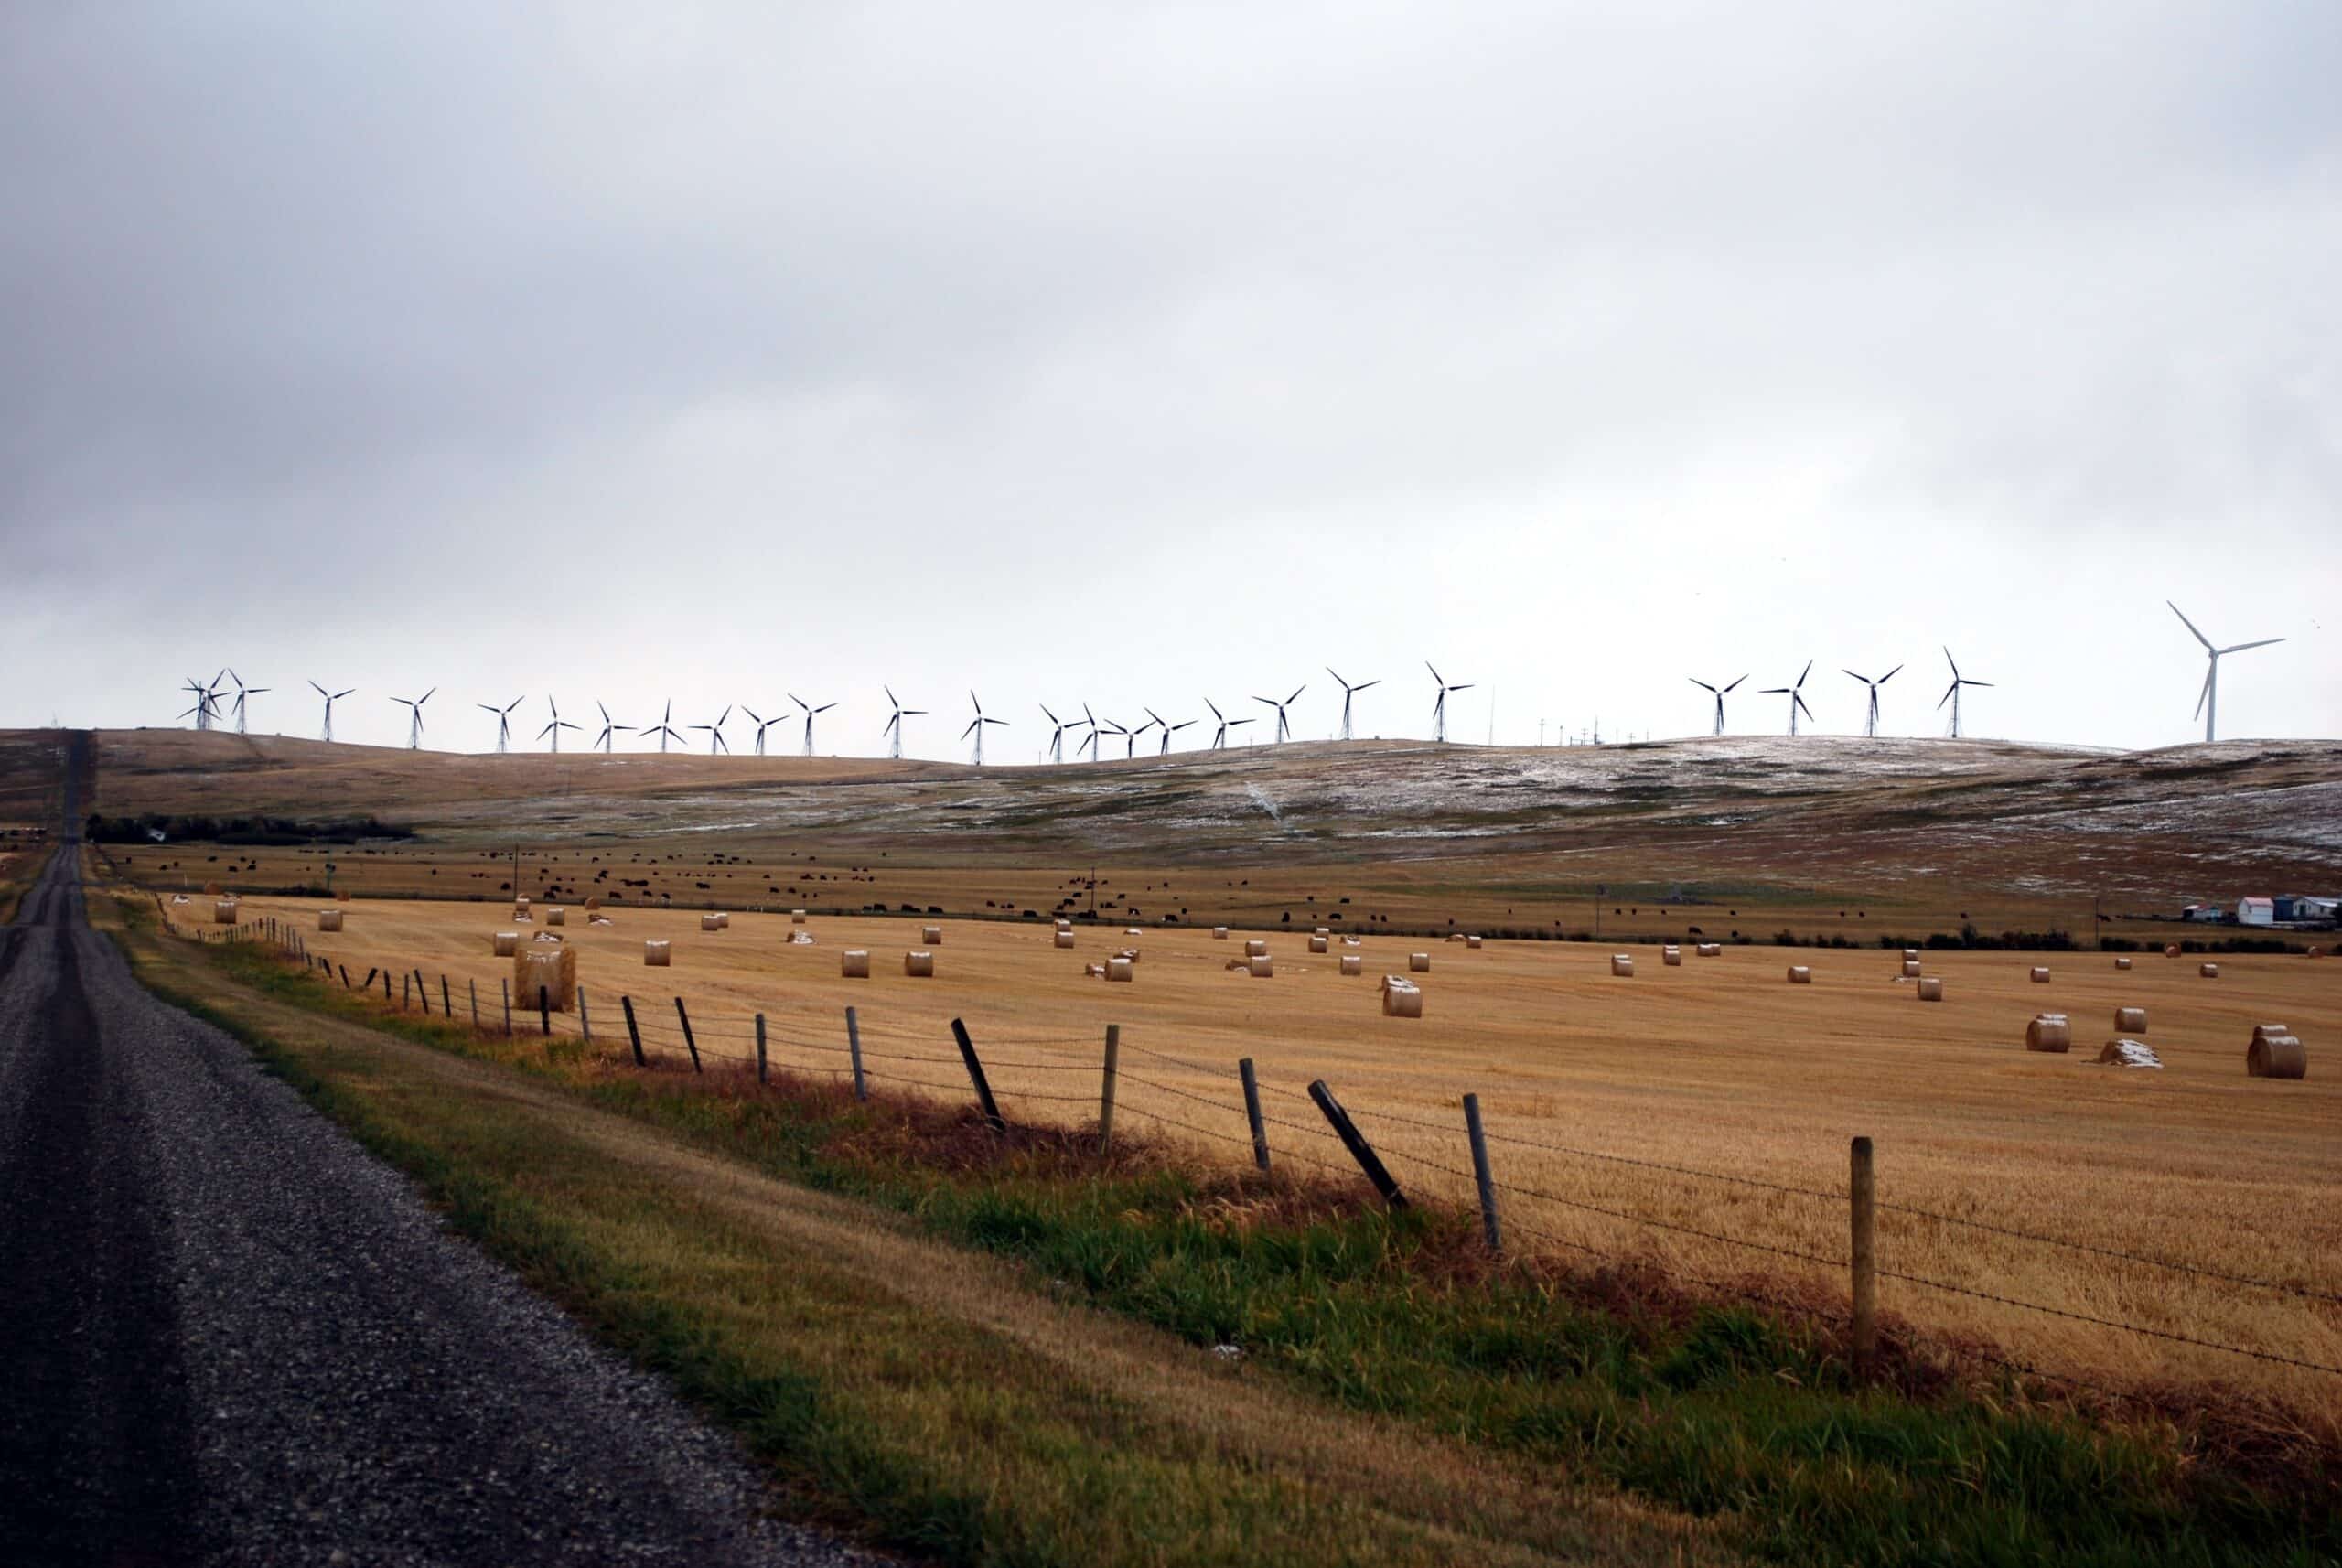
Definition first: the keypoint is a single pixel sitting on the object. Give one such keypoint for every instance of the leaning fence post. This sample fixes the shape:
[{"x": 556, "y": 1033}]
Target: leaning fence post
[
  {"x": 1106, "y": 1089},
  {"x": 1355, "y": 1142},
  {"x": 1863, "y": 1188},
  {"x": 423, "y": 993},
  {"x": 976, "y": 1076},
  {"x": 585, "y": 1021},
  {"x": 475, "y": 987},
  {"x": 689, "y": 1044},
  {"x": 447, "y": 1003},
  {"x": 545, "y": 1010},
  {"x": 633, "y": 1030},
  {"x": 762, "y": 1076},
  {"x": 507, "y": 985},
  {"x": 853, "y": 1046},
  {"x": 386, "y": 986},
  {"x": 345, "y": 979},
  {"x": 1481, "y": 1174},
  {"x": 1253, "y": 1112}
]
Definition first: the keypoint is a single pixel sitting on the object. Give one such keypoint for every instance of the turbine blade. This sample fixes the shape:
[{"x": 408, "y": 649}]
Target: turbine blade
[
  {"x": 1735, "y": 683},
  {"x": 1697, "y": 682},
  {"x": 2240, "y": 647},
  {"x": 2189, "y": 624},
  {"x": 2204, "y": 694}
]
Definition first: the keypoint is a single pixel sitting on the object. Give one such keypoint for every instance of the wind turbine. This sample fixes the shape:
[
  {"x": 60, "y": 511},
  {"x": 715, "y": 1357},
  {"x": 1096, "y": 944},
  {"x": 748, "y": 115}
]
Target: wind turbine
[
  {"x": 1220, "y": 735},
  {"x": 201, "y": 710},
  {"x": 556, "y": 726},
  {"x": 242, "y": 692},
  {"x": 1793, "y": 693},
  {"x": 1057, "y": 734},
  {"x": 1951, "y": 692},
  {"x": 1091, "y": 740},
  {"x": 894, "y": 730},
  {"x": 1439, "y": 705},
  {"x": 976, "y": 727},
  {"x": 1130, "y": 747},
  {"x": 762, "y": 724},
  {"x": 504, "y": 720},
  {"x": 810, "y": 712},
  {"x": 715, "y": 741},
  {"x": 1167, "y": 730},
  {"x": 332, "y": 698},
  {"x": 413, "y": 706},
  {"x": 2209, "y": 702},
  {"x": 1870, "y": 723},
  {"x": 665, "y": 728},
  {"x": 1285, "y": 727},
  {"x": 1718, "y": 691},
  {"x": 1349, "y": 692},
  {"x": 609, "y": 729}
]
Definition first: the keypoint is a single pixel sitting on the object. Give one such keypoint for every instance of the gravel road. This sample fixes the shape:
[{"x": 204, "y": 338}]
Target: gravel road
[{"x": 229, "y": 1335}]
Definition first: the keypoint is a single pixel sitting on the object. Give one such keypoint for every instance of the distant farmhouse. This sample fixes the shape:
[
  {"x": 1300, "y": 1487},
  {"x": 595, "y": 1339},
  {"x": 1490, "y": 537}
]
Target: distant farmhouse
[{"x": 2294, "y": 911}]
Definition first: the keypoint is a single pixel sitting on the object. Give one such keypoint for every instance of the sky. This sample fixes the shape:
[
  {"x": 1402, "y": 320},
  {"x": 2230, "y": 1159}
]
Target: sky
[{"x": 1147, "y": 356}]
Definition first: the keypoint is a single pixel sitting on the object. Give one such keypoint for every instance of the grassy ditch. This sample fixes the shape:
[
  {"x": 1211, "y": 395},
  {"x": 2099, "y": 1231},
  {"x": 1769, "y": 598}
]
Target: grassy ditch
[{"x": 1745, "y": 1419}]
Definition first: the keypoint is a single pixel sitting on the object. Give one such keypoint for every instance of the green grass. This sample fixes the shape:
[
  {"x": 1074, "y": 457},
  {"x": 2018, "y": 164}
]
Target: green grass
[{"x": 1713, "y": 1411}]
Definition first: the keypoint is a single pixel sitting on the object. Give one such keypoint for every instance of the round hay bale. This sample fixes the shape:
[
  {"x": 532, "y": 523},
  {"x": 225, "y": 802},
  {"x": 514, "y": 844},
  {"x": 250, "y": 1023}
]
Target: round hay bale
[
  {"x": 1220, "y": 933},
  {"x": 212, "y": 890},
  {"x": 1623, "y": 965},
  {"x": 329, "y": 920},
  {"x": 1255, "y": 947},
  {"x": 544, "y": 937},
  {"x": 722, "y": 920},
  {"x": 1129, "y": 953},
  {"x": 223, "y": 911},
  {"x": 1671, "y": 956},
  {"x": 507, "y": 943},
  {"x": 2131, "y": 1020},
  {"x": 1261, "y": 966},
  {"x": 1473, "y": 944},
  {"x": 1930, "y": 988},
  {"x": 931, "y": 935},
  {"x": 2048, "y": 1032},
  {"x": 1324, "y": 931},
  {"x": 920, "y": 964},
  {"x": 1065, "y": 938},
  {"x": 1709, "y": 950},
  {"x": 520, "y": 906},
  {"x": 2128, "y": 1053},
  {"x": 2315, "y": 952},
  {"x": 1065, "y": 925},
  {"x": 1133, "y": 931},
  {"x": 797, "y": 916},
  {"x": 552, "y": 969},
  {"x": 2121, "y": 963},
  {"x": 710, "y": 922},
  {"x": 658, "y": 953},
  {"x": 2260, "y": 1030},
  {"x": 1402, "y": 999},
  {"x": 1093, "y": 972},
  {"x": 2208, "y": 970},
  {"x": 2040, "y": 975},
  {"x": 1353, "y": 941},
  {"x": 556, "y": 916},
  {"x": 1419, "y": 964},
  {"x": 1352, "y": 963},
  {"x": 2276, "y": 1056},
  {"x": 854, "y": 963},
  {"x": 1910, "y": 955},
  {"x": 2171, "y": 950},
  {"x": 1800, "y": 974},
  {"x": 1120, "y": 969},
  {"x": 1317, "y": 944},
  {"x": 592, "y": 905},
  {"x": 1910, "y": 968}
]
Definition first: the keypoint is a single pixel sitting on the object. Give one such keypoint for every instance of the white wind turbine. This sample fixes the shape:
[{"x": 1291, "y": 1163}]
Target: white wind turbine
[
  {"x": 1166, "y": 729},
  {"x": 2207, "y": 703},
  {"x": 1870, "y": 723},
  {"x": 1951, "y": 692},
  {"x": 665, "y": 728},
  {"x": 1220, "y": 735},
  {"x": 556, "y": 726},
  {"x": 1717, "y": 691},
  {"x": 1285, "y": 727},
  {"x": 1090, "y": 722},
  {"x": 976, "y": 727},
  {"x": 1349, "y": 692},
  {"x": 242, "y": 692},
  {"x": 715, "y": 741},
  {"x": 894, "y": 730},
  {"x": 1057, "y": 734},
  {"x": 413, "y": 706},
  {"x": 762, "y": 724},
  {"x": 1439, "y": 704},
  {"x": 201, "y": 711},
  {"x": 1794, "y": 694},
  {"x": 332, "y": 698},
  {"x": 609, "y": 730},
  {"x": 503, "y": 721},
  {"x": 810, "y": 712}
]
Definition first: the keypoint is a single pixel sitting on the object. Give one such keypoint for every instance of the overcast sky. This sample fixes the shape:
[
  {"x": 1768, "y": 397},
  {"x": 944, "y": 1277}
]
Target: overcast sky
[{"x": 1141, "y": 355}]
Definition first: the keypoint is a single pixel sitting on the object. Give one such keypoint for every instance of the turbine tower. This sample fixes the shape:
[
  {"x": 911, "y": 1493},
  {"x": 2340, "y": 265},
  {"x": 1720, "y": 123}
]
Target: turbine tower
[
  {"x": 242, "y": 692},
  {"x": 413, "y": 706},
  {"x": 556, "y": 726},
  {"x": 715, "y": 741},
  {"x": 894, "y": 730},
  {"x": 609, "y": 729},
  {"x": 2209, "y": 702},
  {"x": 1793, "y": 693},
  {"x": 1285, "y": 726},
  {"x": 665, "y": 728},
  {"x": 1057, "y": 734},
  {"x": 810, "y": 712},
  {"x": 1439, "y": 704},
  {"x": 1870, "y": 722},
  {"x": 1349, "y": 692},
  {"x": 1718, "y": 693},
  {"x": 1220, "y": 735},
  {"x": 200, "y": 711},
  {"x": 503, "y": 721},
  {"x": 1951, "y": 692},
  {"x": 332, "y": 698},
  {"x": 976, "y": 726}
]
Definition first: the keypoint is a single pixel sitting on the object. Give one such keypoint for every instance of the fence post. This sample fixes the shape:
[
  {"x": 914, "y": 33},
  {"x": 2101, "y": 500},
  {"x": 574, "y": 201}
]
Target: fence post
[
  {"x": 1252, "y": 1113},
  {"x": 585, "y": 1020},
  {"x": 1863, "y": 1188},
  {"x": 762, "y": 1076},
  {"x": 689, "y": 1044},
  {"x": 386, "y": 986},
  {"x": 1106, "y": 1089},
  {"x": 976, "y": 1076},
  {"x": 507, "y": 987},
  {"x": 447, "y": 1003},
  {"x": 423, "y": 993},
  {"x": 853, "y": 1046},
  {"x": 633, "y": 1030},
  {"x": 406, "y": 989},
  {"x": 345, "y": 978},
  {"x": 475, "y": 987},
  {"x": 545, "y": 1010},
  {"x": 1355, "y": 1142},
  {"x": 1481, "y": 1174}
]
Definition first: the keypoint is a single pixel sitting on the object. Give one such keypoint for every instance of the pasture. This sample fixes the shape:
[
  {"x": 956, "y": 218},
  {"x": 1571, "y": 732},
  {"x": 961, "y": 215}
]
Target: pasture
[{"x": 1718, "y": 1066}]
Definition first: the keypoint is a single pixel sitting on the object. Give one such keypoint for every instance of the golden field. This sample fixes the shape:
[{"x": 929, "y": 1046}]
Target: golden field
[{"x": 1719, "y": 1066}]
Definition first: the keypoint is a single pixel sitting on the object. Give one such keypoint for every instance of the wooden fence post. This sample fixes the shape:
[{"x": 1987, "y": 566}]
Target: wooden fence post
[
  {"x": 689, "y": 1043},
  {"x": 474, "y": 988},
  {"x": 1481, "y": 1174},
  {"x": 545, "y": 1010},
  {"x": 447, "y": 1003},
  {"x": 585, "y": 1020},
  {"x": 386, "y": 986},
  {"x": 762, "y": 1076},
  {"x": 345, "y": 978},
  {"x": 1106, "y": 1089},
  {"x": 1253, "y": 1112},
  {"x": 406, "y": 986},
  {"x": 993, "y": 1118},
  {"x": 1863, "y": 1188},
  {"x": 507, "y": 985},
  {"x": 1355, "y": 1142},
  {"x": 423, "y": 993},
  {"x": 633, "y": 1030},
  {"x": 853, "y": 1046}
]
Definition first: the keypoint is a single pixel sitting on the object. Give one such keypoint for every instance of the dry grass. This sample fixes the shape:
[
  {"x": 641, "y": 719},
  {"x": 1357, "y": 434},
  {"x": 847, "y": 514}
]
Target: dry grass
[{"x": 1714, "y": 1065}]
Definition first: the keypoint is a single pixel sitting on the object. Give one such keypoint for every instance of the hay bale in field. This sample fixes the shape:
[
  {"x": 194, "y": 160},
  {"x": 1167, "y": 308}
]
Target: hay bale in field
[
  {"x": 1255, "y": 946},
  {"x": 554, "y": 968},
  {"x": 1353, "y": 941},
  {"x": 2128, "y": 1053},
  {"x": 592, "y": 905},
  {"x": 1238, "y": 966},
  {"x": 1800, "y": 975},
  {"x": 855, "y": 963},
  {"x": 1671, "y": 956},
  {"x": 1064, "y": 925},
  {"x": 1220, "y": 933},
  {"x": 1419, "y": 964},
  {"x": 2048, "y": 1032},
  {"x": 212, "y": 890},
  {"x": 329, "y": 920},
  {"x": 1319, "y": 944},
  {"x": 598, "y": 918},
  {"x": 507, "y": 943},
  {"x": 1402, "y": 998},
  {"x": 544, "y": 937},
  {"x": 1910, "y": 968},
  {"x": 919, "y": 963},
  {"x": 723, "y": 919},
  {"x": 2171, "y": 950},
  {"x": 1910, "y": 955},
  {"x": 1261, "y": 966},
  {"x": 223, "y": 911},
  {"x": 710, "y": 923},
  {"x": 2276, "y": 1052},
  {"x": 797, "y": 916},
  {"x": 1352, "y": 963},
  {"x": 520, "y": 906},
  {"x": 1065, "y": 938},
  {"x": 556, "y": 916},
  {"x": 1709, "y": 950},
  {"x": 1120, "y": 969},
  {"x": 2315, "y": 952},
  {"x": 2121, "y": 963},
  {"x": 1455, "y": 936},
  {"x": 1931, "y": 988},
  {"x": 1472, "y": 942},
  {"x": 2040, "y": 975},
  {"x": 342, "y": 897},
  {"x": 178, "y": 899},
  {"x": 931, "y": 935},
  {"x": 2208, "y": 970},
  {"x": 2131, "y": 1020},
  {"x": 1623, "y": 965},
  {"x": 1129, "y": 953},
  {"x": 800, "y": 939},
  {"x": 1093, "y": 972}
]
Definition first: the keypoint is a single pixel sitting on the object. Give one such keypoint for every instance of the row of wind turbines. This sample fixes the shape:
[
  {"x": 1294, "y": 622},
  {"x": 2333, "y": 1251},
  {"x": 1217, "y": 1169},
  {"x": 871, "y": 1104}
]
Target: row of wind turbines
[{"x": 215, "y": 704}]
